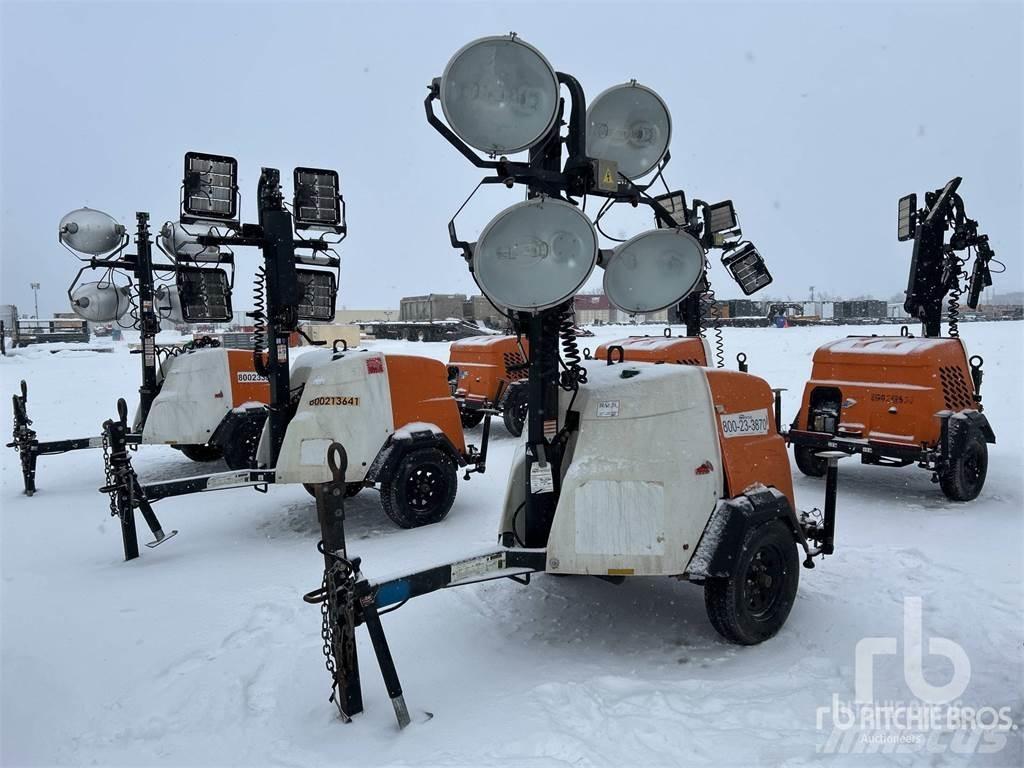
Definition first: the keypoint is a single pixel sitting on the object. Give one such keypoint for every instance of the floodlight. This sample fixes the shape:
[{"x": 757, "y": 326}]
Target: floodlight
[
  {"x": 101, "y": 302},
  {"x": 317, "y": 200},
  {"x": 183, "y": 244},
  {"x": 907, "y": 223},
  {"x": 319, "y": 291},
  {"x": 211, "y": 188},
  {"x": 499, "y": 94},
  {"x": 631, "y": 125},
  {"x": 675, "y": 204},
  {"x": 93, "y": 232},
  {"x": 204, "y": 294},
  {"x": 720, "y": 217},
  {"x": 535, "y": 254},
  {"x": 747, "y": 268},
  {"x": 168, "y": 303},
  {"x": 653, "y": 270}
]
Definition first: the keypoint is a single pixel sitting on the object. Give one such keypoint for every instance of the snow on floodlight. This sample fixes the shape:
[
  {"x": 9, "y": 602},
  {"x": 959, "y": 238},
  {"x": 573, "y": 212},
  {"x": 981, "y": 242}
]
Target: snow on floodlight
[
  {"x": 91, "y": 232},
  {"x": 499, "y": 95},
  {"x": 653, "y": 270},
  {"x": 535, "y": 254},
  {"x": 630, "y": 125}
]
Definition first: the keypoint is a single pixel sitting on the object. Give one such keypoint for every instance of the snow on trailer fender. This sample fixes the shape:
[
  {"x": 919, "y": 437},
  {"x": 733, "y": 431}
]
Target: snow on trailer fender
[{"x": 626, "y": 468}]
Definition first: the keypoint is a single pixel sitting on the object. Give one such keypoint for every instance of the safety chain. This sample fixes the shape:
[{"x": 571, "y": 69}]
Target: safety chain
[
  {"x": 118, "y": 480},
  {"x": 108, "y": 473},
  {"x": 336, "y": 600}
]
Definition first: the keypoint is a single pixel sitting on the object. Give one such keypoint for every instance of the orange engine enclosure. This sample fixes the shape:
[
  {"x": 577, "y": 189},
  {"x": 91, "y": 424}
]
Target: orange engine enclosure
[
  {"x": 419, "y": 392},
  {"x": 681, "y": 350},
  {"x": 892, "y": 387},
  {"x": 749, "y": 459},
  {"x": 483, "y": 363},
  {"x": 240, "y": 361}
]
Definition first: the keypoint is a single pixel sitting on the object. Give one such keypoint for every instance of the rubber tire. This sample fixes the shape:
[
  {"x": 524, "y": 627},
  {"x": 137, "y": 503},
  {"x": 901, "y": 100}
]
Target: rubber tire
[
  {"x": 961, "y": 481},
  {"x": 808, "y": 463},
  {"x": 471, "y": 419},
  {"x": 724, "y": 597},
  {"x": 513, "y": 410},
  {"x": 351, "y": 489},
  {"x": 201, "y": 453},
  {"x": 393, "y": 491},
  {"x": 242, "y": 443}
]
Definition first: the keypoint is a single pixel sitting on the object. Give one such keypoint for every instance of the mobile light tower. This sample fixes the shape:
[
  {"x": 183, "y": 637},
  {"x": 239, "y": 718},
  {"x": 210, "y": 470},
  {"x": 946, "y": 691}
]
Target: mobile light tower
[
  {"x": 134, "y": 291},
  {"x": 500, "y": 96},
  {"x": 291, "y": 286},
  {"x": 35, "y": 297}
]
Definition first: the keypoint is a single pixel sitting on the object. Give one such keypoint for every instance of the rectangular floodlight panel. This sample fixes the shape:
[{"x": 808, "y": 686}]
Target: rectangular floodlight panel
[
  {"x": 907, "y": 218},
  {"x": 721, "y": 217},
  {"x": 747, "y": 268},
  {"x": 211, "y": 187},
  {"x": 318, "y": 291},
  {"x": 205, "y": 295},
  {"x": 675, "y": 204},
  {"x": 317, "y": 199},
  {"x": 938, "y": 208}
]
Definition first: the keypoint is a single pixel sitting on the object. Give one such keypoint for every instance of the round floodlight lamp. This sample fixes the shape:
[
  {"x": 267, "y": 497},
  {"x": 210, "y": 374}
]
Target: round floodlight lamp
[
  {"x": 101, "y": 302},
  {"x": 499, "y": 95},
  {"x": 653, "y": 270},
  {"x": 93, "y": 232},
  {"x": 631, "y": 125},
  {"x": 184, "y": 245},
  {"x": 535, "y": 254},
  {"x": 168, "y": 303}
]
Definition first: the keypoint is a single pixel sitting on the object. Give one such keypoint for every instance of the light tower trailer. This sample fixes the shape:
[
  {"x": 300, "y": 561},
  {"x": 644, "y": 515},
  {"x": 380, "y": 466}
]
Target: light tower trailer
[
  {"x": 626, "y": 469},
  {"x": 196, "y": 433},
  {"x": 901, "y": 400}
]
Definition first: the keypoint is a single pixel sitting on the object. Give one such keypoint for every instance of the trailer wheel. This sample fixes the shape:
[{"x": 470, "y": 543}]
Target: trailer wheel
[
  {"x": 964, "y": 477},
  {"x": 752, "y": 604},
  {"x": 471, "y": 418},
  {"x": 201, "y": 453},
  {"x": 513, "y": 411},
  {"x": 422, "y": 488},
  {"x": 808, "y": 463}
]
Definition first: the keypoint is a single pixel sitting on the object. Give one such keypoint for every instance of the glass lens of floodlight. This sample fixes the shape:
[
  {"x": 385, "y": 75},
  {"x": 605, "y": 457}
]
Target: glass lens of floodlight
[
  {"x": 211, "y": 186},
  {"x": 747, "y": 267},
  {"x": 654, "y": 270},
  {"x": 319, "y": 290},
  {"x": 535, "y": 254},
  {"x": 88, "y": 231},
  {"x": 205, "y": 294},
  {"x": 100, "y": 302},
  {"x": 499, "y": 94},
  {"x": 907, "y": 217},
  {"x": 631, "y": 125},
  {"x": 316, "y": 199}
]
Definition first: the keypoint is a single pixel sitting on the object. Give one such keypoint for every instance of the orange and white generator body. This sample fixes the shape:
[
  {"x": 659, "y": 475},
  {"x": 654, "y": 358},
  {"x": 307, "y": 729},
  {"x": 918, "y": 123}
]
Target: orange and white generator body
[
  {"x": 199, "y": 390},
  {"x": 482, "y": 371},
  {"x": 678, "y": 350},
  {"x": 897, "y": 400},
  {"x": 398, "y": 421}
]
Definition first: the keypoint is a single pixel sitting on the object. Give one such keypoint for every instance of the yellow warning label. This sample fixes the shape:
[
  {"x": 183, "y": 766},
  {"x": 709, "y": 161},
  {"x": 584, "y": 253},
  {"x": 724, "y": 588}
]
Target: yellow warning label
[{"x": 608, "y": 178}]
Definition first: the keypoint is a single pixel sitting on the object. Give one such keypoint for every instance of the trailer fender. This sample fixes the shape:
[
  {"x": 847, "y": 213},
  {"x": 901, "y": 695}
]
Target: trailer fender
[
  {"x": 957, "y": 429},
  {"x": 409, "y": 439},
  {"x": 719, "y": 546}
]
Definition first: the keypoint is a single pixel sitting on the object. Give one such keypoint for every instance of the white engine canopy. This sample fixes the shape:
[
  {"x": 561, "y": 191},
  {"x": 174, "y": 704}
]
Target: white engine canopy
[
  {"x": 193, "y": 400},
  {"x": 640, "y": 479}
]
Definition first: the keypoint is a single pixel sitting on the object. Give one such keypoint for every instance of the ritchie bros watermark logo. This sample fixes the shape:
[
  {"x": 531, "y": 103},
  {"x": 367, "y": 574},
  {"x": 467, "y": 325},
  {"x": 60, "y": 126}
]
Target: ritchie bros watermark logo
[{"x": 932, "y": 720}]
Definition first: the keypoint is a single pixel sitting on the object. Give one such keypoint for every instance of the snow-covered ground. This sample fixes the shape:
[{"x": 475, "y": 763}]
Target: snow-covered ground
[{"x": 201, "y": 652}]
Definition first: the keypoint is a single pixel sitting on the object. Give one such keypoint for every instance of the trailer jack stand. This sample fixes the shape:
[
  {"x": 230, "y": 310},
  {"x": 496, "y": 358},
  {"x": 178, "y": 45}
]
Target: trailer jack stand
[
  {"x": 23, "y": 440},
  {"x": 123, "y": 486},
  {"x": 823, "y": 531},
  {"x": 347, "y": 600}
]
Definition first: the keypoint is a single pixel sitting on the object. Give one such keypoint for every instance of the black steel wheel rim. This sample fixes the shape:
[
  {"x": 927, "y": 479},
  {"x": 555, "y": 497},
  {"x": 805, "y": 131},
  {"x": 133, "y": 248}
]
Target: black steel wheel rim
[
  {"x": 763, "y": 581},
  {"x": 426, "y": 488}
]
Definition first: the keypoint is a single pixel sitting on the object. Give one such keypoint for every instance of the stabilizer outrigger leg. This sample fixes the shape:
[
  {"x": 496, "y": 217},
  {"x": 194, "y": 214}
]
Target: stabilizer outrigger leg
[
  {"x": 123, "y": 486},
  {"x": 23, "y": 440},
  {"x": 346, "y": 601}
]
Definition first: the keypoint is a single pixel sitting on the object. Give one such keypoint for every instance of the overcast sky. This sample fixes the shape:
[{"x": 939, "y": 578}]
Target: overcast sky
[{"x": 814, "y": 120}]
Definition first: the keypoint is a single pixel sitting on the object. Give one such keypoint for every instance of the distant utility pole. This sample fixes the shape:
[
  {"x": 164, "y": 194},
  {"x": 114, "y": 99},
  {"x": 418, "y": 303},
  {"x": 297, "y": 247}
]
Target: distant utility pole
[
  {"x": 35, "y": 292},
  {"x": 812, "y": 293}
]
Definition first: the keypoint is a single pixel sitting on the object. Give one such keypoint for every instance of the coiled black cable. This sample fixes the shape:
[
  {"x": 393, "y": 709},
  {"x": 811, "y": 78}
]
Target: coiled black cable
[
  {"x": 573, "y": 373},
  {"x": 259, "y": 315},
  {"x": 709, "y": 308},
  {"x": 955, "y": 291}
]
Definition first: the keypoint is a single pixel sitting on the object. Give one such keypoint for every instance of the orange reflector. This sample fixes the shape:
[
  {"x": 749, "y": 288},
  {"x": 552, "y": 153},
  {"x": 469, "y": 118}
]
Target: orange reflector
[{"x": 620, "y": 571}]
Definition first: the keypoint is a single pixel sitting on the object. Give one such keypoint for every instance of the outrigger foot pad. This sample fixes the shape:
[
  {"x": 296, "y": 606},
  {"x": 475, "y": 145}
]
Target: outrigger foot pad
[
  {"x": 161, "y": 537},
  {"x": 401, "y": 711}
]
